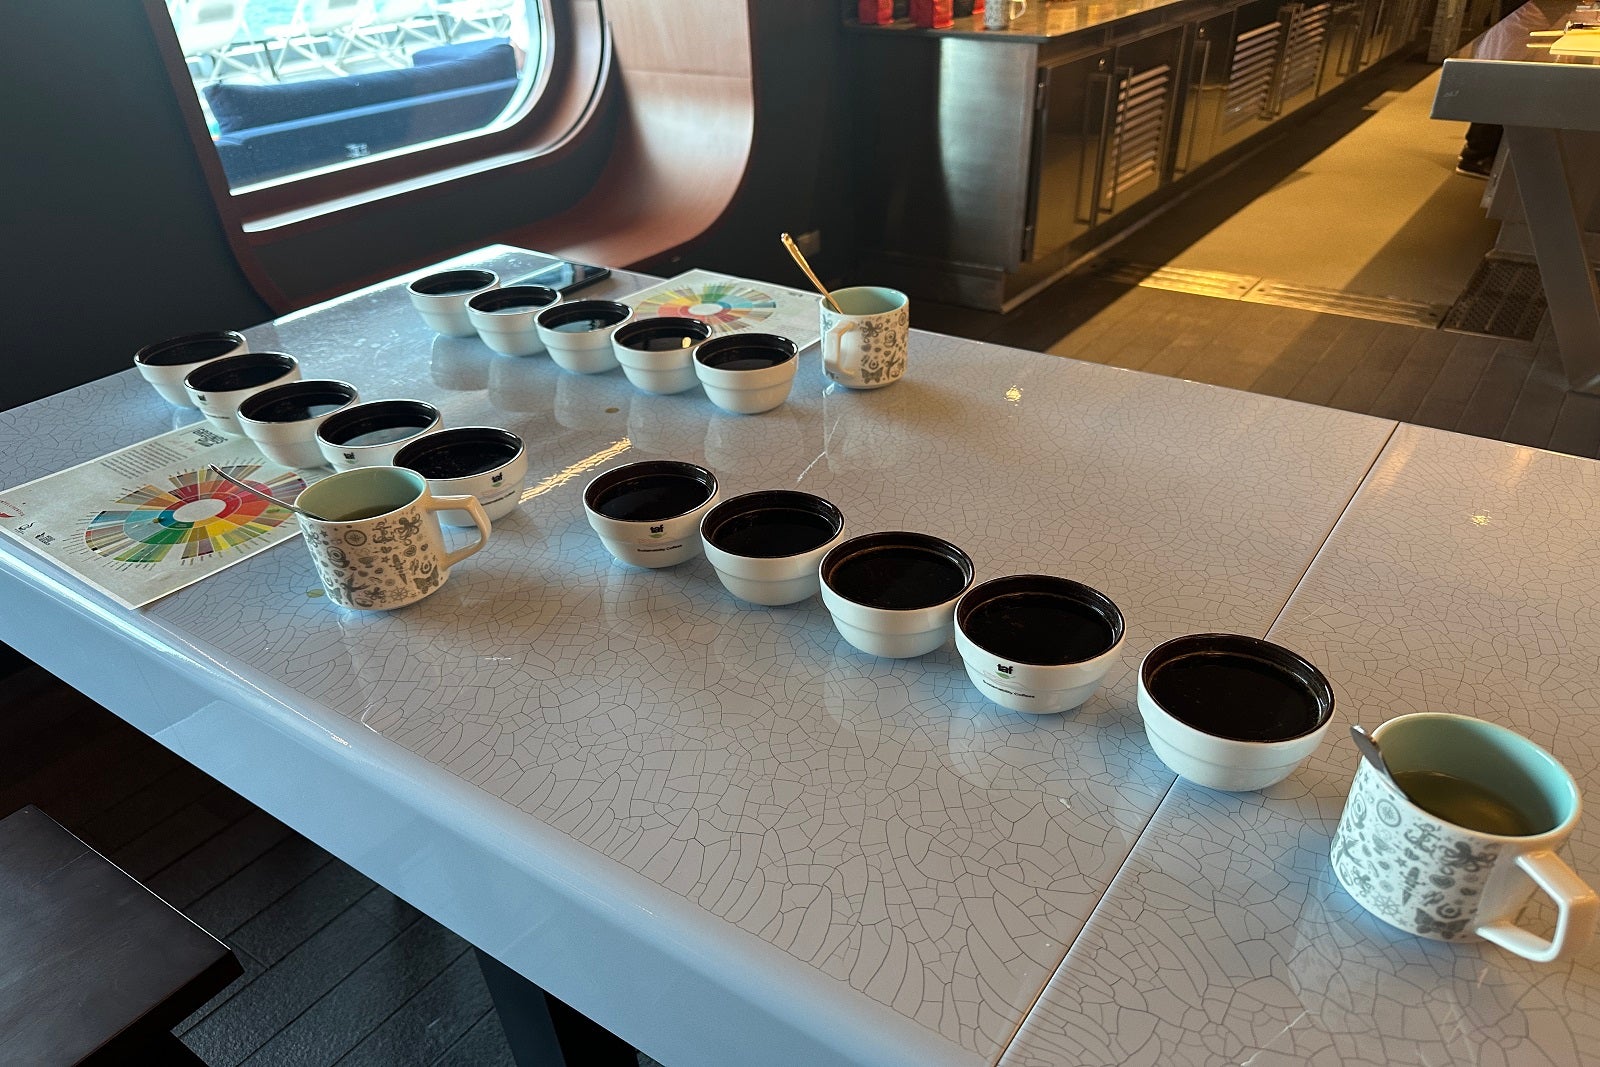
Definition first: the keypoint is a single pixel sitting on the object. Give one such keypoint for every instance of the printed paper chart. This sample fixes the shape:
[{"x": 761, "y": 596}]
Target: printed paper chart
[
  {"x": 730, "y": 305},
  {"x": 152, "y": 518},
  {"x": 195, "y": 514}
]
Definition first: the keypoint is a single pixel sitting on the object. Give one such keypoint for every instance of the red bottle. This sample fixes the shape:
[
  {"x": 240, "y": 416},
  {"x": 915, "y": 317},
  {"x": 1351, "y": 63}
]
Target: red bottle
[
  {"x": 875, "y": 12},
  {"x": 933, "y": 14}
]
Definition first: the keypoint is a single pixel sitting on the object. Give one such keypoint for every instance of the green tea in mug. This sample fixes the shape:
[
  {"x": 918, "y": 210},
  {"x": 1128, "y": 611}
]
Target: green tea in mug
[{"x": 1466, "y": 803}]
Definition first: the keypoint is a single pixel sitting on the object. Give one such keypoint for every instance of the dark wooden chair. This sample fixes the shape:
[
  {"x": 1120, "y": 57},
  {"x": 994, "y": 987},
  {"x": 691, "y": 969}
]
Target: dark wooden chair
[{"x": 94, "y": 968}]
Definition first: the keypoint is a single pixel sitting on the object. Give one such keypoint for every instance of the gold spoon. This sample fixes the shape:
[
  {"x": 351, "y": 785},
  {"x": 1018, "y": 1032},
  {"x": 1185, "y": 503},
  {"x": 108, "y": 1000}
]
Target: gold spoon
[
  {"x": 799, "y": 257},
  {"x": 247, "y": 487}
]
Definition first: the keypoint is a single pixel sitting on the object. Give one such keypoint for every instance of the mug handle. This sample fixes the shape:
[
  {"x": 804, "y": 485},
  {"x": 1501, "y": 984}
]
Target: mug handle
[
  {"x": 836, "y": 336},
  {"x": 1577, "y": 906},
  {"x": 470, "y": 505},
  {"x": 1021, "y": 9}
]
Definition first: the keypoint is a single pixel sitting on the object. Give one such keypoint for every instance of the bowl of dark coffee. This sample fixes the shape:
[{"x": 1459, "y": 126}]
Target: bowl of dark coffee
[
  {"x": 894, "y": 594},
  {"x": 747, "y": 373},
  {"x": 766, "y": 546},
  {"x": 504, "y": 318},
  {"x": 657, "y": 354},
  {"x": 166, "y": 364},
  {"x": 282, "y": 421},
  {"x": 648, "y": 513},
  {"x": 480, "y": 461},
  {"x": 1038, "y": 643},
  {"x": 218, "y": 388},
  {"x": 370, "y": 434},
  {"x": 1232, "y": 712},
  {"x": 578, "y": 333},
  {"x": 441, "y": 299}
]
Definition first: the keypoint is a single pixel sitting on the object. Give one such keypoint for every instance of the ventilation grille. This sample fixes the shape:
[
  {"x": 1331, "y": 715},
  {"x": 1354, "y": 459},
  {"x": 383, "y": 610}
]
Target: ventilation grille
[
  {"x": 1142, "y": 110},
  {"x": 1255, "y": 55},
  {"x": 1504, "y": 298},
  {"x": 1302, "y": 57}
]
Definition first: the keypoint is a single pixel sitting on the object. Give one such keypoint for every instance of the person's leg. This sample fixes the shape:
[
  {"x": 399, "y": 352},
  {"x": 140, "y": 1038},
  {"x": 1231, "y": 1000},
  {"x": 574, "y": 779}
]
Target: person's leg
[{"x": 1478, "y": 149}]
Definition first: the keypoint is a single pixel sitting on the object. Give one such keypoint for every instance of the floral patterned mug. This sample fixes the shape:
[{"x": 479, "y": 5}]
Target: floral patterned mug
[
  {"x": 864, "y": 342},
  {"x": 1429, "y": 876},
  {"x": 378, "y": 545}
]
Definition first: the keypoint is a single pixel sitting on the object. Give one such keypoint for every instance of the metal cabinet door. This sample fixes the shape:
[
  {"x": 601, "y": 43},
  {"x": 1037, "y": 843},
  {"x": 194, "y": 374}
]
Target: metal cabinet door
[
  {"x": 1143, "y": 106},
  {"x": 1204, "y": 88},
  {"x": 1068, "y": 146}
]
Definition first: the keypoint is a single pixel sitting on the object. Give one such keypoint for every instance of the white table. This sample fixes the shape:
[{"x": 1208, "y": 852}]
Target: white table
[{"x": 716, "y": 829}]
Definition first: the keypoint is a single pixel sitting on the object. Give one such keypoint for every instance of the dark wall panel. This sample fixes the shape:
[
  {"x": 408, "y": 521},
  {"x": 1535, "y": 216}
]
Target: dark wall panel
[{"x": 108, "y": 238}]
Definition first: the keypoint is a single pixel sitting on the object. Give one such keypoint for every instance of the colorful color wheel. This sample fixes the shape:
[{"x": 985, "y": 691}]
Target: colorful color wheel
[
  {"x": 200, "y": 514},
  {"x": 726, "y": 304}
]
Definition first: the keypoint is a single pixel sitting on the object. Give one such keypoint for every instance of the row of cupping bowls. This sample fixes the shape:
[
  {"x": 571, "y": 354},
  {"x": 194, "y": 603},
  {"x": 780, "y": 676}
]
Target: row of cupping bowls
[
  {"x": 1227, "y": 711},
  {"x": 309, "y": 423},
  {"x": 744, "y": 373}
]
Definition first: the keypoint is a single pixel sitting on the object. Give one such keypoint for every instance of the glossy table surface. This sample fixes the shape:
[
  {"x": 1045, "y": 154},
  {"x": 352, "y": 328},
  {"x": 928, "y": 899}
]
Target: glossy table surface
[{"x": 719, "y": 830}]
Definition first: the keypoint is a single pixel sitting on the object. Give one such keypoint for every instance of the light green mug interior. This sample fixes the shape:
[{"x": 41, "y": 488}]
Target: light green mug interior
[
  {"x": 867, "y": 300},
  {"x": 1520, "y": 771},
  {"x": 365, "y": 491}
]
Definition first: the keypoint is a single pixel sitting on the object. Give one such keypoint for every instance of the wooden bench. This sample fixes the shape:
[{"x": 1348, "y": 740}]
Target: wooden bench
[{"x": 94, "y": 968}]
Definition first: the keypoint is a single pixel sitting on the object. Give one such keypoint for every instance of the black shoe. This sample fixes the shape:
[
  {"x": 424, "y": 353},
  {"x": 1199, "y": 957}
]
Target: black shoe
[{"x": 1478, "y": 168}]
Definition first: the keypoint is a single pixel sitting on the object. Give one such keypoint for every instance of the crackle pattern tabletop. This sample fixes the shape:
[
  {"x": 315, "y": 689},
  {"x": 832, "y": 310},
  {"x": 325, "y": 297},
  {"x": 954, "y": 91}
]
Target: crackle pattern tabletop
[
  {"x": 738, "y": 781},
  {"x": 1461, "y": 579}
]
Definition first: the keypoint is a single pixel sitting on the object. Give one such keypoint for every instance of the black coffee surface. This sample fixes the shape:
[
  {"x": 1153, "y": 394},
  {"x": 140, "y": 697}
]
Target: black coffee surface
[
  {"x": 1235, "y": 696},
  {"x": 190, "y": 352},
  {"x": 382, "y": 435},
  {"x": 242, "y": 378},
  {"x": 898, "y": 578},
  {"x": 583, "y": 325},
  {"x": 461, "y": 460},
  {"x": 746, "y": 359},
  {"x": 1040, "y": 627},
  {"x": 773, "y": 532},
  {"x": 297, "y": 409},
  {"x": 666, "y": 339},
  {"x": 651, "y": 496}
]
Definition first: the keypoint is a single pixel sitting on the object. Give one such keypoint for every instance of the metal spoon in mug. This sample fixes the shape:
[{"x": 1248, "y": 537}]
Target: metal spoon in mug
[
  {"x": 247, "y": 487},
  {"x": 799, "y": 257},
  {"x": 1369, "y": 749}
]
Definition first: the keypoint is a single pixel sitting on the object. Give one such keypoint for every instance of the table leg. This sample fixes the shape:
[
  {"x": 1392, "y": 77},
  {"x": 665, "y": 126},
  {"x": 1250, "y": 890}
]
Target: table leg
[
  {"x": 544, "y": 1032},
  {"x": 1556, "y": 230}
]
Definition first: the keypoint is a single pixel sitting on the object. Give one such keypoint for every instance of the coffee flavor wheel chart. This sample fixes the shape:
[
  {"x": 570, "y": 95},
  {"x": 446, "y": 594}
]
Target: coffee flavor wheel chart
[
  {"x": 196, "y": 515},
  {"x": 726, "y": 306}
]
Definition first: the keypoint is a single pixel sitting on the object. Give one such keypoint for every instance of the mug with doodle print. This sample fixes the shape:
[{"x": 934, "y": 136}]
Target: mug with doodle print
[
  {"x": 377, "y": 544},
  {"x": 864, "y": 342},
  {"x": 1457, "y": 841}
]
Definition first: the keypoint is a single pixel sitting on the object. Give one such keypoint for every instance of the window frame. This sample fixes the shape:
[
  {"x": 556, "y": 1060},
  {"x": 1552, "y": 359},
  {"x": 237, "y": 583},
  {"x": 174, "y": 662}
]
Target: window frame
[{"x": 574, "y": 69}]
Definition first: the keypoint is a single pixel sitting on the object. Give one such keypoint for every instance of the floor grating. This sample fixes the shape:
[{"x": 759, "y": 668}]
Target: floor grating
[
  {"x": 1226, "y": 286},
  {"x": 1504, "y": 298}
]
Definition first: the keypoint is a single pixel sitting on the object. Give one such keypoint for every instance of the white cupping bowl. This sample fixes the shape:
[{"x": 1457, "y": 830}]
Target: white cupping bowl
[
  {"x": 484, "y": 462},
  {"x": 876, "y": 587},
  {"x": 218, "y": 388},
  {"x": 635, "y": 532},
  {"x": 1230, "y": 763},
  {"x": 657, "y": 354},
  {"x": 578, "y": 333},
  {"x": 504, "y": 318},
  {"x": 1067, "y": 635},
  {"x": 747, "y": 373},
  {"x": 441, "y": 298},
  {"x": 766, "y": 546},
  {"x": 166, "y": 364},
  {"x": 282, "y": 421}
]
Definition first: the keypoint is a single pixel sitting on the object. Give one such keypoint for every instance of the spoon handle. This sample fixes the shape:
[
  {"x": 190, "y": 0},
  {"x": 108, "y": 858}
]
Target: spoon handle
[
  {"x": 247, "y": 487},
  {"x": 800, "y": 259},
  {"x": 1369, "y": 750}
]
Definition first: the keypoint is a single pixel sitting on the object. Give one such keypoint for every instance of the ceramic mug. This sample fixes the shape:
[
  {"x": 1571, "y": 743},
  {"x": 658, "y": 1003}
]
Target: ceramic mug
[
  {"x": 1461, "y": 868},
  {"x": 998, "y": 14},
  {"x": 379, "y": 545},
  {"x": 864, "y": 342}
]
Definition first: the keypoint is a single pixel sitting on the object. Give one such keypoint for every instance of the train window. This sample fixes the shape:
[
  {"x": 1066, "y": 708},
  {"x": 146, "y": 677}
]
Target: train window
[{"x": 293, "y": 88}]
